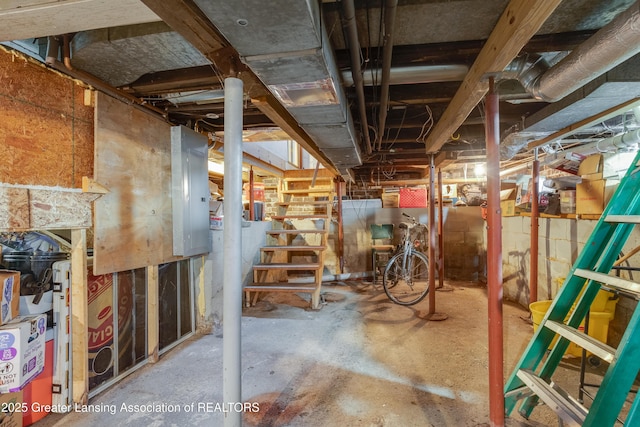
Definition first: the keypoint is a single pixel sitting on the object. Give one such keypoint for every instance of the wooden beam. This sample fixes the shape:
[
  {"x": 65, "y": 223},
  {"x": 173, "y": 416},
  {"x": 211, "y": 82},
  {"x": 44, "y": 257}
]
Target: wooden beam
[
  {"x": 589, "y": 121},
  {"x": 79, "y": 317},
  {"x": 518, "y": 23},
  {"x": 186, "y": 18},
  {"x": 281, "y": 117},
  {"x": 153, "y": 316}
]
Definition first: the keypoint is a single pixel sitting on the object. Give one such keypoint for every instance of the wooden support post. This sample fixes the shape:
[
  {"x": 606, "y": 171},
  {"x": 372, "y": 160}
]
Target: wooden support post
[
  {"x": 153, "y": 320},
  {"x": 252, "y": 197},
  {"x": 80, "y": 317},
  {"x": 535, "y": 212}
]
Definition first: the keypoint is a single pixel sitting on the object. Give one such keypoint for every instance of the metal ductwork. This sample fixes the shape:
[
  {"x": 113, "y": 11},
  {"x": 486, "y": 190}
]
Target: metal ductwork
[
  {"x": 413, "y": 75},
  {"x": 289, "y": 50},
  {"x": 121, "y": 55},
  {"x": 613, "y": 44},
  {"x": 600, "y": 74}
]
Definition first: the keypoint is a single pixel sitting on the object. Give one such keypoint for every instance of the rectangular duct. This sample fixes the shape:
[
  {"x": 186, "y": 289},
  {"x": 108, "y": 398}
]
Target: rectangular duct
[{"x": 289, "y": 50}]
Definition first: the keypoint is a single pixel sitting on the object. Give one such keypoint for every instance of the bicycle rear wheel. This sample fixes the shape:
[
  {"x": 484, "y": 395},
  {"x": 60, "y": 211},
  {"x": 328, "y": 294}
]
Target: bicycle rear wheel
[{"x": 407, "y": 284}]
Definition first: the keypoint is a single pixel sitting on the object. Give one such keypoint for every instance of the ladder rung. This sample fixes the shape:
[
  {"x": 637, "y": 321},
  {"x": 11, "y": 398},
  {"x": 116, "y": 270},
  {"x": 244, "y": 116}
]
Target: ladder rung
[
  {"x": 612, "y": 281},
  {"x": 294, "y": 231},
  {"x": 276, "y": 286},
  {"x": 300, "y": 216},
  {"x": 600, "y": 349},
  {"x": 313, "y": 266},
  {"x": 519, "y": 393},
  {"x": 567, "y": 408},
  {"x": 293, "y": 248},
  {"x": 623, "y": 219}
]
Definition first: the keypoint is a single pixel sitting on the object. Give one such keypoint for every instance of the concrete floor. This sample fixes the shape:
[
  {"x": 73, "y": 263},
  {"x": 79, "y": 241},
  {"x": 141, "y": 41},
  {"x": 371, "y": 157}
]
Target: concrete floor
[{"x": 358, "y": 361}]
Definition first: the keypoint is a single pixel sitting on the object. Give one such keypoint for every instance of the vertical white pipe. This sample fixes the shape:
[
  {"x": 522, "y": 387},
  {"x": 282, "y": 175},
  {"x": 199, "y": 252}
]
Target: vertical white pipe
[{"x": 232, "y": 235}]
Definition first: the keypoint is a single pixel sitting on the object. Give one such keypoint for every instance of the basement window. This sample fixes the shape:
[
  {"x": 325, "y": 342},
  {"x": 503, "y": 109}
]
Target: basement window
[{"x": 308, "y": 94}]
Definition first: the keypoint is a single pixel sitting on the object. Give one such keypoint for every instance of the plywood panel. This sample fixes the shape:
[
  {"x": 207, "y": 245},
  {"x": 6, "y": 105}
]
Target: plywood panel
[
  {"x": 133, "y": 222},
  {"x": 46, "y": 132}
]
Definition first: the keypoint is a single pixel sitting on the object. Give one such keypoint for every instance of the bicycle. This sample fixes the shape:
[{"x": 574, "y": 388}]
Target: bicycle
[{"x": 406, "y": 275}]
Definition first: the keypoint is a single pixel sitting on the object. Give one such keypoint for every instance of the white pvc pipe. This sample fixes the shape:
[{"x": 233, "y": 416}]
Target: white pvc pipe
[{"x": 232, "y": 235}]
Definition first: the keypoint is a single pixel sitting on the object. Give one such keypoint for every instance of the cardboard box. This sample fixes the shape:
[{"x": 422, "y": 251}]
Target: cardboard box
[
  {"x": 567, "y": 201},
  {"x": 390, "y": 200},
  {"x": 592, "y": 196},
  {"x": 591, "y": 168},
  {"x": 10, "y": 299},
  {"x": 508, "y": 195},
  {"x": 11, "y": 409},
  {"x": 22, "y": 346}
]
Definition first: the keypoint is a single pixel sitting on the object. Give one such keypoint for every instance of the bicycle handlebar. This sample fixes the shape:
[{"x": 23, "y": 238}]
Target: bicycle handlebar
[{"x": 413, "y": 220}]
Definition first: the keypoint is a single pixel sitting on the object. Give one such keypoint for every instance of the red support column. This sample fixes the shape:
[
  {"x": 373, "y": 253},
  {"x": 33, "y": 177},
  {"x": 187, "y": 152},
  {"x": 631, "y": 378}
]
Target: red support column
[
  {"x": 440, "y": 232},
  {"x": 432, "y": 236},
  {"x": 533, "y": 264},
  {"x": 494, "y": 259}
]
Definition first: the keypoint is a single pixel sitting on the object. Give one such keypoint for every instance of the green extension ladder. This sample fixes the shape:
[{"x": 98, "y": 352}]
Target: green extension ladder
[{"x": 531, "y": 379}]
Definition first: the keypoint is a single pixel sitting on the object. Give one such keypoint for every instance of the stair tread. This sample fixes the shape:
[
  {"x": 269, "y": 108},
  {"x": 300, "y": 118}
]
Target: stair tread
[
  {"x": 279, "y": 286},
  {"x": 600, "y": 349},
  {"x": 623, "y": 219},
  {"x": 303, "y": 179},
  {"x": 293, "y": 248},
  {"x": 615, "y": 282},
  {"x": 296, "y": 231},
  {"x": 287, "y": 266},
  {"x": 308, "y": 190},
  {"x": 301, "y": 203},
  {"x": 300, "y": 216},
  {"x": 567, "y": 408}
]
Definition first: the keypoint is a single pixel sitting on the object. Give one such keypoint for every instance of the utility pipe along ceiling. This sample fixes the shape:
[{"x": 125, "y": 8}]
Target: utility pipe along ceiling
[{"x": 372, "y": 88}]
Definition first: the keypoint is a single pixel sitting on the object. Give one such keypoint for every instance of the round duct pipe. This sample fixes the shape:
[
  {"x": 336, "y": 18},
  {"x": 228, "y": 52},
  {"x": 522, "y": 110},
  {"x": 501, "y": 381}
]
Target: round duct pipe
[{"x": 413, "y": 75}]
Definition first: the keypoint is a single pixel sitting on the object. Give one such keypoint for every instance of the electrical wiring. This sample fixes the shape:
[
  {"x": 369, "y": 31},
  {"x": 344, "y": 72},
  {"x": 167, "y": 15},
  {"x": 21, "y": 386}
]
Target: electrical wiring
[
  {"x": 426, "y": 127},
  {"x": 404, "y": 114}
]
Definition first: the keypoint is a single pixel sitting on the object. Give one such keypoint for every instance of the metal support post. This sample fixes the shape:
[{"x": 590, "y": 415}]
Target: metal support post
[
  {"x": 232, "y": 274},
  {"x": 494, "y": 259}
]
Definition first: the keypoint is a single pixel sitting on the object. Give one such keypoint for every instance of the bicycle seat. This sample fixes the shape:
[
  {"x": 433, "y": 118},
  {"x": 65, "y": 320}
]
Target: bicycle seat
[{"x": 405, "y": 225}]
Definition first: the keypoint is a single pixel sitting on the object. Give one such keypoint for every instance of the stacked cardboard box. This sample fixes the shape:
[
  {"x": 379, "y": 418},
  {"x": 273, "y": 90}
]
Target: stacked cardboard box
[{"x": 595, "y": 190}]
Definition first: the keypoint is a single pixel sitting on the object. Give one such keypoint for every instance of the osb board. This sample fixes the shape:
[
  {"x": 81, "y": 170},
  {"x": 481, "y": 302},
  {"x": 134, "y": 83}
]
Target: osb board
[
  {"x": 14, "y": 209},
  {"x": 24, "y": 209},
  {"x": 133, "y": 222},
  {"x": 46, "y": 132}
]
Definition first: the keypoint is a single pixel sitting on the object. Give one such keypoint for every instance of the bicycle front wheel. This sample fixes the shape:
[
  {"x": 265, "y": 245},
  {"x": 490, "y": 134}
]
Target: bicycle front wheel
[{"x": 406, "y": 278}]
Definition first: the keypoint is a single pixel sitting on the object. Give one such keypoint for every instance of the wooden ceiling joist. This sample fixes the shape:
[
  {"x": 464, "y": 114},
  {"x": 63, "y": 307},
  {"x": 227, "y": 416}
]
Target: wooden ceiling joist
[{"x": 517, "y": 24}]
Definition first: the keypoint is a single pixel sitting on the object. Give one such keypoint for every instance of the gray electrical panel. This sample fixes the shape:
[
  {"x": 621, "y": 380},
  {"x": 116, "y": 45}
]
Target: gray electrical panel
[{"x": 189, "y": 192}]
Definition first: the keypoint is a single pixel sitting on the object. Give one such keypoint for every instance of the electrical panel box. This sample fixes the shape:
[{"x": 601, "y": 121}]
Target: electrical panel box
[{"x": 190, "y": 192}]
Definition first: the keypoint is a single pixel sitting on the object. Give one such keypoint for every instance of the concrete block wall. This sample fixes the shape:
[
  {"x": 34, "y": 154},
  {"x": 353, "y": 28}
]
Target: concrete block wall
[
  {"x": 464, "y": 251},
  {"x": 560, "y": 242}
]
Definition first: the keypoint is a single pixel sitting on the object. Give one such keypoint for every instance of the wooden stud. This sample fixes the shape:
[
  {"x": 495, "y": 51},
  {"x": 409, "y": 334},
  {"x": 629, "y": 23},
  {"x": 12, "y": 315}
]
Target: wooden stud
[
  {"x": 89, "y": 185},
  {"x": 80, "y": 317},
  {"x": 153, "y": 318}
]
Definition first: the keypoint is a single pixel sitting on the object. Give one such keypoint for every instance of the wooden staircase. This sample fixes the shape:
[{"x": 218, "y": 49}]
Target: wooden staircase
[{"x": 293, "y": 260}]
